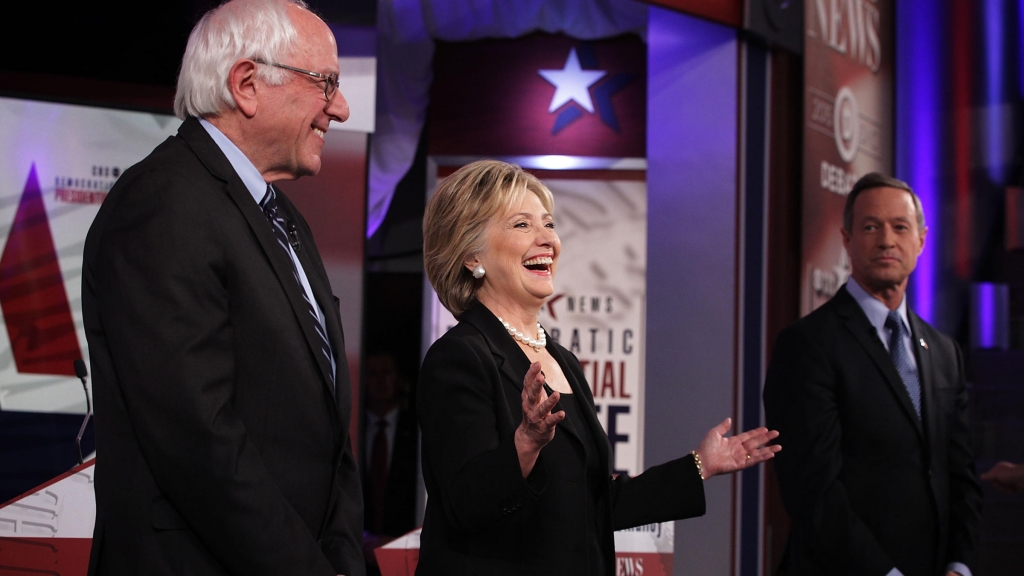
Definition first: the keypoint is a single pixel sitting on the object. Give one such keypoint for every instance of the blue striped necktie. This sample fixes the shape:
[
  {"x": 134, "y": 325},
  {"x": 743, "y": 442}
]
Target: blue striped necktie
[
  {"x": 278, "y": 224},
  {"x": 901, "y": 358}
]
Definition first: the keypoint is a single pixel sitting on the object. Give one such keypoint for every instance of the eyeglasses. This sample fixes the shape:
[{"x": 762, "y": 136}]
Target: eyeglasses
[{"x": 330, "y": 80}]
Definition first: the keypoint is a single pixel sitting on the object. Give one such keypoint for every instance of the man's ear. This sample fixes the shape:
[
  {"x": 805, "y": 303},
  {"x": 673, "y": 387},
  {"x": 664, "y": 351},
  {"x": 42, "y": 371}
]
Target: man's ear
[{"x": 242, "y": 84}]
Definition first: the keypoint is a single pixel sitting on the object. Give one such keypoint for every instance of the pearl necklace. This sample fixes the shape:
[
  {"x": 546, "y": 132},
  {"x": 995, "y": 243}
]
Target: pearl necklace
[{"x": 540, "y": 342}]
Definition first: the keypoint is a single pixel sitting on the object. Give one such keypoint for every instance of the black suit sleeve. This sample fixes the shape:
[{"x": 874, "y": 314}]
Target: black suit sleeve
[
  {"x": 800, "y": 400},
  {"x": 163, "y": 276},
  {"x": 964, "y": 491},
  {"x": 468, "y": 439},
  {"x": 669, "y": 491}
]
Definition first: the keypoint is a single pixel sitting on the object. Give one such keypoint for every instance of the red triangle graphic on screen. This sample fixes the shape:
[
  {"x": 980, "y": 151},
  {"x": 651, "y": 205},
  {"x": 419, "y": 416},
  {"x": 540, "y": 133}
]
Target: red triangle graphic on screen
[{"x": 32, "y": 295}]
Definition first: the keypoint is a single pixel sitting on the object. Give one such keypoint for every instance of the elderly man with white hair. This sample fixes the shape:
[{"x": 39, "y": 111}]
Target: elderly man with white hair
[{"x": 222, "y": 391}]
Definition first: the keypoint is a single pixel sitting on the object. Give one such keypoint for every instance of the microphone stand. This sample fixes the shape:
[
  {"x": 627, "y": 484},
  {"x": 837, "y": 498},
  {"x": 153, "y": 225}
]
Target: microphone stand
[{"x": 82, "y": 374}]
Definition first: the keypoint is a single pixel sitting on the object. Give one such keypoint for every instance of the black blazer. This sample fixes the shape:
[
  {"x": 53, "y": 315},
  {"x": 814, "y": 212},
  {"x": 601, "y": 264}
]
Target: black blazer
[
  {"x": 221, "y": 447},
  {"x": 482, "y": 516},
  {"x": 869, "y": 486}
]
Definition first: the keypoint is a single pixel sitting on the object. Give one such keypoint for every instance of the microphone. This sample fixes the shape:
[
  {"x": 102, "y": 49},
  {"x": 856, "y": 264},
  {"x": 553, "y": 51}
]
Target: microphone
[
  {"x": 293, "y": 236},
  {"x": 82, "y": 373}
]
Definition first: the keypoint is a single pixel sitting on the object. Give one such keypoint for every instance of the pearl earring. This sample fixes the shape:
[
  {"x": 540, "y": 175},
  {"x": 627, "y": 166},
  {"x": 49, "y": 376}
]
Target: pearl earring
[{"x": 478, "y": 272}]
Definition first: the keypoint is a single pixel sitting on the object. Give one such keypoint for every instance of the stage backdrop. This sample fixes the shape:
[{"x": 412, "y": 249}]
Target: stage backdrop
[
  {"x": 848, "y": 127},
  {"x": 57, "y": 163}
]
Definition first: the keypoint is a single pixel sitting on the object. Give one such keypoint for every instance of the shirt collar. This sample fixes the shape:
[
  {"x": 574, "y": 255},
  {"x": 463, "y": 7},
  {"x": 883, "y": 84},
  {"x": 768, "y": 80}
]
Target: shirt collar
[
  {"x": 391, "y": 417},
  {"x": 873, "y": 308},
  {"x": 245, "y": 169}
]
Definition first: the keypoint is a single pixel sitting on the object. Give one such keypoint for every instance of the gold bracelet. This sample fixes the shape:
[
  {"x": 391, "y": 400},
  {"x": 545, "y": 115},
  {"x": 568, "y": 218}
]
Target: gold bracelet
[{"x": 696, "y": 460}]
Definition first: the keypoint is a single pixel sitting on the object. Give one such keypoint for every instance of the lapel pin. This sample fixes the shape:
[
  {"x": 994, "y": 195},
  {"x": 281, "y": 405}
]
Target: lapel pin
[{"x": 923, "y": 343}]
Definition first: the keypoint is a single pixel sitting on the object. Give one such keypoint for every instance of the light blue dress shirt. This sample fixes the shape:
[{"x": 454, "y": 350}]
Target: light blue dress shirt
[{"x": 877, "y": 312}]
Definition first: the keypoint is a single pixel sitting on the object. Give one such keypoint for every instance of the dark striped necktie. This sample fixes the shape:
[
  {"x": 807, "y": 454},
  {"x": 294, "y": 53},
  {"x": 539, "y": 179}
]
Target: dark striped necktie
[{"x": 278, "y": 224}]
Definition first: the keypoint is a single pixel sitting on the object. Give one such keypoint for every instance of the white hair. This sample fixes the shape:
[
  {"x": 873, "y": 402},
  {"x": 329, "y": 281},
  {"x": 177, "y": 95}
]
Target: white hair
[{"x": 256, "y": 29}]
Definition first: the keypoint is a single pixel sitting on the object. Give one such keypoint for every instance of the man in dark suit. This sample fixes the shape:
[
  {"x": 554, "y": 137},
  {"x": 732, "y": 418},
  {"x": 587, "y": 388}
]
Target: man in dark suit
[
  {"x": 222, "y": 390},
  {"x": 870, "y": 401},
  {"x": 390, "y": 452}
]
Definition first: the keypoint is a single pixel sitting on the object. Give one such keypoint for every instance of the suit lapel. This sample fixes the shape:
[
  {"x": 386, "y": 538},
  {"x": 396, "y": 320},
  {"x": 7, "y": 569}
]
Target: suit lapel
[
  {"x": 332, "y": 319},
  {"x": 867, "y": 337},
  {"x": 925, "y": 365},
  {"x": 211, "y": 156},
  {"x": 507, "y": 355},
  {"x": 318, "y": 283},
  {"x": 510, "y": 358}
]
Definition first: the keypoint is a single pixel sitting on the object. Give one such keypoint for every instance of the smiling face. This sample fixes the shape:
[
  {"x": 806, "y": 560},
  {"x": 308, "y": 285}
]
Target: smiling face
[
  {"x": 884, "y": 241},
  {"x": 295, "y": 115},
  {"x": 520, "y": 257}
]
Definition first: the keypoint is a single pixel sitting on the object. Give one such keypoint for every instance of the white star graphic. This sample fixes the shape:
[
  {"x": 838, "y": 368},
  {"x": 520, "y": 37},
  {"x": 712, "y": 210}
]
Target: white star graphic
[{"x": 572, "y": 83}]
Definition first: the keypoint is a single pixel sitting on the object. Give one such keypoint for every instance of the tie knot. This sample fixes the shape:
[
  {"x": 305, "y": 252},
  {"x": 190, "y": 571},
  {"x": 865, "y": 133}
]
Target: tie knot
[
  {"x": 894, "y": 322},
  {"x": 382, "y": 424},
  {"x": 269, "y": 202}
]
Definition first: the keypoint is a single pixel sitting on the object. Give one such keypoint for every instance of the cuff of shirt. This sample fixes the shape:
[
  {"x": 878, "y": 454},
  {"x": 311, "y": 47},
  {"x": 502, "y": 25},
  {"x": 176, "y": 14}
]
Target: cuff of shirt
[{"x": 959, "y": 568}]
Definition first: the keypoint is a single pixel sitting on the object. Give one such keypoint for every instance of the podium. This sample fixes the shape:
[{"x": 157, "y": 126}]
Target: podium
[
  {"x": 49, "y": 530},
  {"x": 642, "y": 551}
]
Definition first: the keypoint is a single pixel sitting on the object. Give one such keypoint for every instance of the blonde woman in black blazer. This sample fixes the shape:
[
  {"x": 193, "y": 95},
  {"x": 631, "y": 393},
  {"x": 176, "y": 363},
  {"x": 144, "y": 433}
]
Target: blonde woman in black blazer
[{"x": 515, "y": 462}]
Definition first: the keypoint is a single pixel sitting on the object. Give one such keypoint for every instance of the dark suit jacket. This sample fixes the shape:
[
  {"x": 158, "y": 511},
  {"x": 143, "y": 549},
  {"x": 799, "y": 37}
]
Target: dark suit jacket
[
  {"x": 221, "y": 448},
  {"x": 482, "y": 516},
  {"x": 868, "y": 485}
]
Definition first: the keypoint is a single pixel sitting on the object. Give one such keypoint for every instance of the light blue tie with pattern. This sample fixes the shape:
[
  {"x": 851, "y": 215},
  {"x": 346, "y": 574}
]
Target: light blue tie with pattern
[
  {"x": 269, "y": 206},
  {"x": 901, "y": 358}
]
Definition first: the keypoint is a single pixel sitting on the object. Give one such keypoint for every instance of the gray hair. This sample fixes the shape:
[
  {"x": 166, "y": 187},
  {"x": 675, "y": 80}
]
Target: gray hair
[
  {"x": 256, "y": 29},
  {"x": 878, "y": 180}
]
